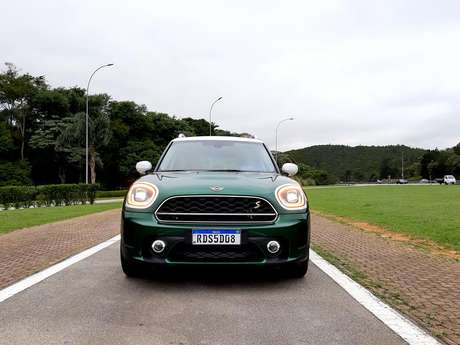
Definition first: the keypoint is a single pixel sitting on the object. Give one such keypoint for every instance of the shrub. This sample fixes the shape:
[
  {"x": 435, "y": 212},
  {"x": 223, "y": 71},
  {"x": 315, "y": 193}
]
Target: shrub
[
  {"x": 308, "y": 182},
  {"x": 54, "y": 194},
  {"x": 17, "y": 196},
  {"x": 90, "y": 191}
]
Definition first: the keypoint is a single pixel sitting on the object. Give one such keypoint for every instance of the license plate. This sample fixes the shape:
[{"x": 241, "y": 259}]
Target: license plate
[{"x": 216, "y": 237}]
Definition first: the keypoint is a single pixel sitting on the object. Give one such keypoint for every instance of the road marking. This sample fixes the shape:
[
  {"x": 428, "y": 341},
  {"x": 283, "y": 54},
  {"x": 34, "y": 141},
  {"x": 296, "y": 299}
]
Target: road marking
[
  {"x": 42, "y": 275},
  {"x": 406, "y": 329},
  {"x": 402, "y": 326}
]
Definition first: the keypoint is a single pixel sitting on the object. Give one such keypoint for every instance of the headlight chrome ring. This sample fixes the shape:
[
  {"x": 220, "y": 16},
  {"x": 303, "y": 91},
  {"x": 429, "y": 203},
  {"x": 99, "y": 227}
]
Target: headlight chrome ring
[
  {"x": 291, "y": 197},
  {"x": 141, "y": 195}
]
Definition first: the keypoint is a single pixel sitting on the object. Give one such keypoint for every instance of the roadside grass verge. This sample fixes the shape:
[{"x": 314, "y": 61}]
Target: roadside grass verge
[
  {"x": 387, "y": 294},
  {"x": 421, "y": 212},
  {"x": 23, "y": 218},
  {"x": 377, "y": 288}
]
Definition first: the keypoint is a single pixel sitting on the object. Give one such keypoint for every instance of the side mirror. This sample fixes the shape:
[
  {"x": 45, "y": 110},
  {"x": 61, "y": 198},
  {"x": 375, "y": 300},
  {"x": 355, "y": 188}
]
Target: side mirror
[
  {"x": 290, "y": 168},
  {"x": 143, "y": 166}
]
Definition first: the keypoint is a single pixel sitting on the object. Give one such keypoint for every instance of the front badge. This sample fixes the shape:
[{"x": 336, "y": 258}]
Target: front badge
[{"x": 216, "y": 188}]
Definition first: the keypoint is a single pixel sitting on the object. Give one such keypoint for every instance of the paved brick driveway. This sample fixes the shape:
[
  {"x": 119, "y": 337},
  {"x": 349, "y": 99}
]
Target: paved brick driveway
[
  {"x": 23, "y": 252},
  {"x": 422, "y": 286}
]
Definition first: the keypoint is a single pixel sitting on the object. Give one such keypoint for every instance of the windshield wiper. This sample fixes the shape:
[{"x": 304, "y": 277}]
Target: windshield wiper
[
  {"x": 215, "y": 170},
  {"x": 172, "y": 170},
  {"x": 227, "y": 170}
]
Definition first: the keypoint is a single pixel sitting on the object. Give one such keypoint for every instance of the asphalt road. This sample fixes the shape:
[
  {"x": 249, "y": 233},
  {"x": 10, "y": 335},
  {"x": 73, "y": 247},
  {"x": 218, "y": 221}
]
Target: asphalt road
[{"x": 92, "y": 302}]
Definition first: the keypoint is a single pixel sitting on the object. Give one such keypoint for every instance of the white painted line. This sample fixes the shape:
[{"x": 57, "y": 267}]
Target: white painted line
[
  {"x": 42, "y": 275},
  {"x": 402, "y": 326},
  {"x": 405, "y": 328}
]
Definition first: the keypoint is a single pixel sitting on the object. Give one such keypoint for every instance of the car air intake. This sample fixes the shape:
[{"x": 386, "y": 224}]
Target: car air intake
[
  {"x": 216, "y": 209},
  {"x": 190, "y": 253}
]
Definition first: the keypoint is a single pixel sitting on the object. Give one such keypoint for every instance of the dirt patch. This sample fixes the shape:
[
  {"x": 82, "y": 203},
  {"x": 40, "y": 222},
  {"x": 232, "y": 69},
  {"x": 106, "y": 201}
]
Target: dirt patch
[{"x": 430, "y": 246}]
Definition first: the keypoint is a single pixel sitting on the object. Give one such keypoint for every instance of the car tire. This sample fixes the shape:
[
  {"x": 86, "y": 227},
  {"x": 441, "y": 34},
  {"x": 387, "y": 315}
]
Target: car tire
[
  {"x": 297, "y": 269},
  {"x": 130, "y": 269}
]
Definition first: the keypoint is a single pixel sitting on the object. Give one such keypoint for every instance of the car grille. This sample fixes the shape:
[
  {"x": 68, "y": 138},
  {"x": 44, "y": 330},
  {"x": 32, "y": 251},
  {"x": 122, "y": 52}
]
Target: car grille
[
  {"x": 216, "y": 209},
  {"x": 189, "y": 253}
]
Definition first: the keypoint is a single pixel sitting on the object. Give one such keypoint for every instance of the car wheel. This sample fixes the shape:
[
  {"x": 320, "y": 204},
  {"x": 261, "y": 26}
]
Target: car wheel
[
  {"x": 130, "y": 268},
  {"x": 297, "y": 269}
]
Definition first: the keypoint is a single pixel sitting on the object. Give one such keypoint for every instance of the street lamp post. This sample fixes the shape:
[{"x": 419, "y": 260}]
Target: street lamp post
[
  {"x": 210, "y": 111},
  {"x": 87, "y": 117},
  {"x": 402, "y": 165},
  {"x": 276, "y": 136}
]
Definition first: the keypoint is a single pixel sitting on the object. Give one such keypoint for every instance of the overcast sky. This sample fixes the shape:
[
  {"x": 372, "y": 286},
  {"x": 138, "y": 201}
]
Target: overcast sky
[{"x": 350, "y": 72}]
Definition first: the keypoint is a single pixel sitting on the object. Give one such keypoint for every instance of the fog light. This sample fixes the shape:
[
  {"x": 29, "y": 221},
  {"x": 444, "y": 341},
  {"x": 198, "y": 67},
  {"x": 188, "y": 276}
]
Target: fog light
[
  {"x": 158, "y": 246},
  {"x": 273, "y": 247}
]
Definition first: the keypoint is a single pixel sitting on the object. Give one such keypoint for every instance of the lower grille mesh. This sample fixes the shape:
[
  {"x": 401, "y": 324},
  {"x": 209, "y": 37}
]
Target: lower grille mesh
[{"x": 190, "y": 253}]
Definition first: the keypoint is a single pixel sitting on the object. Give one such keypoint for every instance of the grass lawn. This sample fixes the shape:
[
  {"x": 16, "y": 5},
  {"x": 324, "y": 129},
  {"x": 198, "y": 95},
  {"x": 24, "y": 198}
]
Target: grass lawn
[
  {"x": 426, "y": 212},
  {"x": 18, "y": 219}
]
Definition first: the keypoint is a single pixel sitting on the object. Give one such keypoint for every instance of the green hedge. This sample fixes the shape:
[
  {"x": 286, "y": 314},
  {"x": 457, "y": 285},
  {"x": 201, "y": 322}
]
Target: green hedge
[
  {"x": 111, "y": 193},
  {"x": 47, "y": 195}
]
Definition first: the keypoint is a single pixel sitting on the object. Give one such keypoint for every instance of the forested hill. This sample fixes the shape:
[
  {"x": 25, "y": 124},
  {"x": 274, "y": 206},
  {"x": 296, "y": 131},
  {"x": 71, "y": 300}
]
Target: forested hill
[{"x": 360, "y": 163}]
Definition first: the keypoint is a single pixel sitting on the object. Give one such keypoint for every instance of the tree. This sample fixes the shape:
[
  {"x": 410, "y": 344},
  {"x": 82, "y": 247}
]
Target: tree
[
  {"x": 15, "y": 173},
  {"x": 137, "y": 151},
  {"x": 16, "y": 94},
  {"x": 387, "y": 168},
  {"x": 196, "y": 127},
  {"x": 73, "y": 138},
  {"x": 319, "y": 177},
  {"x": 413, "y": 170},
  {"x": 432, "y": 166},
  {"x": 6, "y": 141},
  {"x": 358, "y": 176},
  {"x": 348, "y": 175},
  {"x": 163, "y": 128},
  {"x": 453, "y": 164},
  {"x": 45, "y": 138},
  {"x": 456, "y": 149}
]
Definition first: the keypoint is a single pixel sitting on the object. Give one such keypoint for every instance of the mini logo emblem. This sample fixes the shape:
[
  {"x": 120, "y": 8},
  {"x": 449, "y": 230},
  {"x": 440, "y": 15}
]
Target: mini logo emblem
[
  {"x": 216, "y": 188},
  {"x": 257, "y": 205}
]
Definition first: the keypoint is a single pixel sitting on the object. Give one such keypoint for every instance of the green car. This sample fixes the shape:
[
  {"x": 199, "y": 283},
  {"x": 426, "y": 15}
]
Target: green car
[{"x": 215, "y": 200}]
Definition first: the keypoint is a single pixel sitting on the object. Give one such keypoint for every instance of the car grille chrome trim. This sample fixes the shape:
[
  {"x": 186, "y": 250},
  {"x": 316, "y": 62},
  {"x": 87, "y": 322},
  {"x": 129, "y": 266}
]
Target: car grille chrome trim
[{"x": 269, "y": 214}]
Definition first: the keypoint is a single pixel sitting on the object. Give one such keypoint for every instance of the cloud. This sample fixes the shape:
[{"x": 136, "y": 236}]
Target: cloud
[{"x": 350, "y": 72}]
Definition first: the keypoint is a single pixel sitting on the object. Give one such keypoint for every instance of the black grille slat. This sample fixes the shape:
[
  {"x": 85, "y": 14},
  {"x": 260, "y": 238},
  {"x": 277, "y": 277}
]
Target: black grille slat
[
  {"x": 227, "y": 209},
  {"x": 190, "y": 253},
  {"x": 215, "y": 205}
]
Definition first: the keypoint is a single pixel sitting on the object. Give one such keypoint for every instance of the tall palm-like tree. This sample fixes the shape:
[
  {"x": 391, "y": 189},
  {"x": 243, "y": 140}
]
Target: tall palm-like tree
[{"x": 73, "y": 136}]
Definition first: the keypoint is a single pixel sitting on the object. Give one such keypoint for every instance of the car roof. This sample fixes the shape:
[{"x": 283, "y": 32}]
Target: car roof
[{"x": 218, "y": 138}]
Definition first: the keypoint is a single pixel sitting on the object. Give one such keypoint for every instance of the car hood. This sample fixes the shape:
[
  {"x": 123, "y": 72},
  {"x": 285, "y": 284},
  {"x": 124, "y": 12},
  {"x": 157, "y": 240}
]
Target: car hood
[{"x": 231, "y": 183}]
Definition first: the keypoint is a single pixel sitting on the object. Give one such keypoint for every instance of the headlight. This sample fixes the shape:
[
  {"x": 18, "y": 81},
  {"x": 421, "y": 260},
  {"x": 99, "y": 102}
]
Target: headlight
[
  {"x": 141, "y": 195},
  {"x": 291, "y": 197}
]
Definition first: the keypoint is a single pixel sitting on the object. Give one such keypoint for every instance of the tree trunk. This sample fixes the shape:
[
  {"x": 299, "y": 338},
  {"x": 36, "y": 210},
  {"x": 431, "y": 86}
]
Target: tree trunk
[
  {"x": 61, "y": 174},
  {"x": 92, "y": 163},
  {"x": 22, "y": 149},
  {"x": 22, "y": 130}
]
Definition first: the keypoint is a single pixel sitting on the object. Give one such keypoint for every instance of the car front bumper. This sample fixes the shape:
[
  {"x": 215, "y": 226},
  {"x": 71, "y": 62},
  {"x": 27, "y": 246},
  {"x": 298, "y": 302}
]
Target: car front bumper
[{"x": 140, "y": 229}]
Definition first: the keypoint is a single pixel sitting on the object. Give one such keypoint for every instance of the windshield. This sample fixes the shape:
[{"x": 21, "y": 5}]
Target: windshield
[{"x": 217, "y": 155}]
